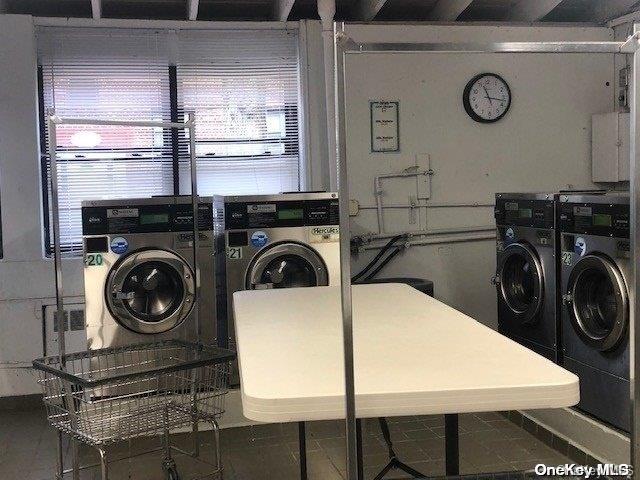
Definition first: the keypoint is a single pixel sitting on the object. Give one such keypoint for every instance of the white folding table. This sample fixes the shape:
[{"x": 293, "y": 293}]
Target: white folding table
[{"x": 413, "y": 355}]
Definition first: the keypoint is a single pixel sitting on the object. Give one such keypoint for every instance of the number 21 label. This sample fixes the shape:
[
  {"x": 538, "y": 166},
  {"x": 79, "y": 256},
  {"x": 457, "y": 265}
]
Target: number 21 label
[{"x": 234, "y": 253}]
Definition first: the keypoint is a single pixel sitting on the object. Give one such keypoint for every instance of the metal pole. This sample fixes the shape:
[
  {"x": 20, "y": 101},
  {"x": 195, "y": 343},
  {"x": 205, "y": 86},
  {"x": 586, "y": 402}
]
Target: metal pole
[
  {"x": 191, "y": 125},
  {"x": 345, "y": 255},
  {"x": 55, "y": 223},
  {"x": 634, "y": 294}
]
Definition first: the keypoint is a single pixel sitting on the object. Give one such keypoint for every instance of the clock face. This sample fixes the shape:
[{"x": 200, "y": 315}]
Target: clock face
[{"x": 487, "y": 98}]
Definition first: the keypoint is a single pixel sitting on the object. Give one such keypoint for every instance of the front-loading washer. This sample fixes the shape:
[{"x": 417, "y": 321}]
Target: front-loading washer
[
  {"x": 279, "y": 241},
  {"x": 139, "y": 275},
  {"x": 526, "y": 270},
  {"x": 595, "y": 269}
]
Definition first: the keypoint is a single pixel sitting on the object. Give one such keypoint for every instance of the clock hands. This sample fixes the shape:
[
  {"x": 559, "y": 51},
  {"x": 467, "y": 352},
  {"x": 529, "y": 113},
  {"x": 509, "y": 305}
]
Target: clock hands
[{"x": 487, "y": 95}]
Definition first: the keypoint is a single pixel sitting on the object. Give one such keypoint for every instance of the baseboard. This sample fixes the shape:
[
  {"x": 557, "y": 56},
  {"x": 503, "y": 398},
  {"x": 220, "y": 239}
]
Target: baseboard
[{"x": 21, "y": 402}]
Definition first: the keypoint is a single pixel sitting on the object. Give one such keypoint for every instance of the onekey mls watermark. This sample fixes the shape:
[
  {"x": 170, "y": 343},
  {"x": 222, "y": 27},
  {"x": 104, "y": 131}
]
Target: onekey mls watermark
[{"x": 601, "y": 470}]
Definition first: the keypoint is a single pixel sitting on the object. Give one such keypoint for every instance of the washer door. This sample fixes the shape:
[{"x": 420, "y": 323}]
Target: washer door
[
  {"x": 521, "y": 282},
  {"x": 150, "y": 291},
  {"x": 287, "y": 265},
  {"x": 598, "y": 301}
]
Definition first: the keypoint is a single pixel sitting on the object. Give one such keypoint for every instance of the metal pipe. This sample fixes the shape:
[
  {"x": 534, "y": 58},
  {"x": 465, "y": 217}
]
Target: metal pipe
[
  {"x": 634, "y": 287},
  {"x": 124, "y": 123},
  {"x": 345, "y": 254},
  {"x": 497, "y": 47},
  {"x": 191, "y": 126},
  {"x": 441, "y": 240},
  {"x": 434, "y": 231},
  {"x": 426, "y": 205}
]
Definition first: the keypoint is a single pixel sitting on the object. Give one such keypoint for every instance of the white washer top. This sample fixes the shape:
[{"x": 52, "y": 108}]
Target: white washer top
[{"x": 414, "y": 355}]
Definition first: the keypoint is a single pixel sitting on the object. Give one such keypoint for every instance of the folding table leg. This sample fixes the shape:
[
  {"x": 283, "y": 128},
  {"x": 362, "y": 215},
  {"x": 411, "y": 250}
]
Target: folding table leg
[
  {"x": 452, "y": 453},
  {"x": 302, "y": 443},
  {"x": 359, "y": 447}
]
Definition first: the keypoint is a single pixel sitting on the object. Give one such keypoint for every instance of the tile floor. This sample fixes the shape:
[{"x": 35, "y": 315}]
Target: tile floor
[{"x": 488, "y": 443}]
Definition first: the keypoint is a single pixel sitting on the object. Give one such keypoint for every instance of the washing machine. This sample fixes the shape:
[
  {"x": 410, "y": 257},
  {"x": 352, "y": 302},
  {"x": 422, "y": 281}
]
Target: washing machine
[
  {"x": 525, "y": 276},
  {"x": 280, "y": 241},
  {"x": 595, "y": 268},
  {"x": 139, "y": 275}
]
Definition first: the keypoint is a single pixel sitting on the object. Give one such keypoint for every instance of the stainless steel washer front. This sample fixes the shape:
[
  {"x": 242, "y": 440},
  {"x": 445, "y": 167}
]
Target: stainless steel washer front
[
  {"x": 521, "y": 281},
  {"x": 287, "y": 265},
  {"x": 150, "y": 291},
  {"x": 599, "y": 303}
]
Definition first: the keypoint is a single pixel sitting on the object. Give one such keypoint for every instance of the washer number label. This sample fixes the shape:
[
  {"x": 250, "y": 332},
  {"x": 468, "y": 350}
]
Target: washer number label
[
  {"x": 93, "y": 260},
  {"x": 234, "y": 253},
  {"x": 567, "y": 258}
]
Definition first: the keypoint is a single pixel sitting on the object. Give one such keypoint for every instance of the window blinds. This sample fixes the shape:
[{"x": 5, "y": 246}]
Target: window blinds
[
  {"x": 244, "y": 87},
  {"x": 122, "y": 75}
]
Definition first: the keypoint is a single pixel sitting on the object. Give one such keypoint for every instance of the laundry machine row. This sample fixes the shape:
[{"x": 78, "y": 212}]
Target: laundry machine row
[
  {"x": 563, "y": 264},
  {"x": 141, "y": 279}
]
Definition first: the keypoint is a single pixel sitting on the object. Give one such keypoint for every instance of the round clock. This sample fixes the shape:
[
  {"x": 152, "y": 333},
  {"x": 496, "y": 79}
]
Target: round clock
[{"x": 487, "y": 98}]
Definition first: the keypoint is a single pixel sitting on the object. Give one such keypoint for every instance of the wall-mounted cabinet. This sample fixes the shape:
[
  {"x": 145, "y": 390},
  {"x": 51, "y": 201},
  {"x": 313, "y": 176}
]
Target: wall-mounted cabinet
[{"x": 610, "y": 147}]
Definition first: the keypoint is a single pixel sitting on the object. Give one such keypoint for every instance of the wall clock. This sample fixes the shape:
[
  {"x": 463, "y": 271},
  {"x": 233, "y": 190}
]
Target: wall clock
[{"x": 487, "y": 98}]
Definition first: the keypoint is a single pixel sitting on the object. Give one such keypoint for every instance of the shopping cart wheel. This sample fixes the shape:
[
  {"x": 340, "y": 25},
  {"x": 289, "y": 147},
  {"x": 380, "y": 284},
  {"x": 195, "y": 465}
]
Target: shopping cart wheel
[{"x": 170, "y": 470}]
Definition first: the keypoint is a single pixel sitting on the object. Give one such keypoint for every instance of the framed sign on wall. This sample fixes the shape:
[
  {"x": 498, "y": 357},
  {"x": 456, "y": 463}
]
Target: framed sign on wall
[{"x": 385, "y": 126}]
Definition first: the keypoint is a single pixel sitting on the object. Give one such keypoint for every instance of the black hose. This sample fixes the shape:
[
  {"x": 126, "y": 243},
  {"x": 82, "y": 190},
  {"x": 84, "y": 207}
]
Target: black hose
[
  {"x": 384, "y": 250},
  {"x": 383, "y": 264}
]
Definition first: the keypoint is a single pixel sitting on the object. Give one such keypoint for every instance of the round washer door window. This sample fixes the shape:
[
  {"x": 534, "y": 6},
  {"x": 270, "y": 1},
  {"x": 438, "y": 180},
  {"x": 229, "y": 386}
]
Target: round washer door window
[
  {"x": 599, "y": 305},
  {"x": 521, "y": 281},
  {"x": 287, "y": 265},
  {"x": 150, "y": 291}
]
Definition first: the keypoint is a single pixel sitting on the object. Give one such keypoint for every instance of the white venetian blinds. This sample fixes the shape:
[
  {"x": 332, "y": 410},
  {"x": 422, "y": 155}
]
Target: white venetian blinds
[
  {"x": 244, "y": 89},
  {"x": 90, "y": 73}
]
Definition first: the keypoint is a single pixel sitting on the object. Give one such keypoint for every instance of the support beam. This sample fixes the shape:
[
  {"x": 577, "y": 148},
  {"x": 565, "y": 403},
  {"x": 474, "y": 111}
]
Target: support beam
[
  {"x": 283, "y": 9},
  {"x": 368, "y": 9},
  {"x": 449, "y": 10},
  {"x": 96, "y": 9},
  {"x": 528, "y": 11},
  {"x": 609, "y": 9},
  {"x": 192, "y": 9}
]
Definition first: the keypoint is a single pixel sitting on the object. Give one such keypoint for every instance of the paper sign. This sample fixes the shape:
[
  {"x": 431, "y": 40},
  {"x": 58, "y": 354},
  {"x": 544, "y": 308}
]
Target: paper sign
[{"x": 385, "y": 127}]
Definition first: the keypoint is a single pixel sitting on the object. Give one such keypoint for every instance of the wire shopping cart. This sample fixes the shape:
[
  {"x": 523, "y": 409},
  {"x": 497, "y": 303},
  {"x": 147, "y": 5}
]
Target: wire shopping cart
[{"x": 101, "y": 397}]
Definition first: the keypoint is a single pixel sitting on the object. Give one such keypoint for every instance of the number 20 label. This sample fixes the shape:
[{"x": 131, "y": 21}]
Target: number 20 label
[
  {"x": 234, "y": 253},
  {"x": 93, "y": 260}
]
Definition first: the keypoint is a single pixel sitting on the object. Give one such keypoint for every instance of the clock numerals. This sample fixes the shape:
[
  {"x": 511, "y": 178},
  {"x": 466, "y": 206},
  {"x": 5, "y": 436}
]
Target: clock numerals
[{"x": 487, "y": 98}]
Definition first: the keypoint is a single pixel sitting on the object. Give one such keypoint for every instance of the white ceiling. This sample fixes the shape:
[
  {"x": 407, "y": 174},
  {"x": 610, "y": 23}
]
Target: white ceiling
[{"x": 590, "y": 11}]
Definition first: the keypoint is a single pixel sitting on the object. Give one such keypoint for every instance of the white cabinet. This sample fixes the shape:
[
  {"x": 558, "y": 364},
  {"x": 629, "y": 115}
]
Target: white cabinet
[{"x": 610, "y": 147}]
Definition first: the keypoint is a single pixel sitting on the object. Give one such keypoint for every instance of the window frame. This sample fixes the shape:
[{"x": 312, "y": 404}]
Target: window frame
[{"x": 292, "y": 142}]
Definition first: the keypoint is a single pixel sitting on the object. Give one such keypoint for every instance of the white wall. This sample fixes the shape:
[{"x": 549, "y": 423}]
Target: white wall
[
  {"x": 26, "y": 280},
  {"x": 543, "y": 144}
]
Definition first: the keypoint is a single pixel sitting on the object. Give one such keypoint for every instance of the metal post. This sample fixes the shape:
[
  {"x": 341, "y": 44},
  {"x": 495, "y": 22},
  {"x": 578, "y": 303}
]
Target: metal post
[
  {"x": 55, "y": 224},
  {"x": 345, "y": 255},
  {"x": 634, "y": 294},
  {"x": 191, "y": 125}
]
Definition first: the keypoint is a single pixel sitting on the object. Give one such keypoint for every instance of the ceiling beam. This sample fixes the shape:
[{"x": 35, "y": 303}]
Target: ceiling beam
[
  {"x": 283, "y": 9},
  {"x": 528, "y": 11},
  {"x": 366, "y": 10},
  {"x": 96, "y": 9},
  {"x": 192, "y": 9},
  {"x": 609, "y": 9},
  {"x": 449, "y": 10}
]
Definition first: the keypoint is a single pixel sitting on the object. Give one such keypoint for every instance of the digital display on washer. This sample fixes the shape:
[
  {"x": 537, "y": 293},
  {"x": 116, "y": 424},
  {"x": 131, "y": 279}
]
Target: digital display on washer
[
  {"x": 602, "y": 220},
  {"x": 291, "y": 214},
  {"x": 526, "y": 213},
  {"x": 154, "y": 218}
]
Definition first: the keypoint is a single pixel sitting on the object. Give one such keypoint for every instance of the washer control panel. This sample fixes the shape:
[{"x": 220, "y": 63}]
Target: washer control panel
[
  {"x": 600, "y": 219},
  {"x": 525, "y": 213},
  {"x": 281, "y": 213},
  {"x": 134, "y": 218}
]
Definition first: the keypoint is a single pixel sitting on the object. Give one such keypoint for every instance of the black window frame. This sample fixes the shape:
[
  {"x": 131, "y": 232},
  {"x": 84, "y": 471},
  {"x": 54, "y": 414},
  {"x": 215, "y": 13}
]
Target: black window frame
[{"x": 291, "y": 142}]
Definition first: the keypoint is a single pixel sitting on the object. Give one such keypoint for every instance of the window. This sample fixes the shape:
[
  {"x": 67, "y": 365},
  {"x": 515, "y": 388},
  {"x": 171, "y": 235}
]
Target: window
[
  {"x": 243, "y": 87},
  {"x": 244, "y": 90},
  {"x": 83, "y": 76}
]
